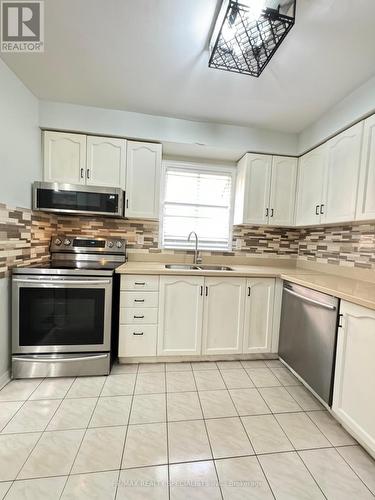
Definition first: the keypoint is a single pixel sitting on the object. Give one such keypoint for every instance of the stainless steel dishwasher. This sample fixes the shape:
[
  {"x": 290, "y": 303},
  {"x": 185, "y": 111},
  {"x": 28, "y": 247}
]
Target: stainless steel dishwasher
[{"x": 308, "y": 333}]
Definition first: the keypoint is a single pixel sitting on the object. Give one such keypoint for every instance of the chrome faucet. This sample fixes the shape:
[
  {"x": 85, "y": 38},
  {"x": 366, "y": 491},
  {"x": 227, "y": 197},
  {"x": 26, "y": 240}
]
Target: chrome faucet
[{"x": 197, "y": 259}]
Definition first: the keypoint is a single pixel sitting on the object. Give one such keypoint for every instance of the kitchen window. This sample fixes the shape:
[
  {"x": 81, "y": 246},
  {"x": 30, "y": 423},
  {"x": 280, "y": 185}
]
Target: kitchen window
[{"x": 197, "y": 197}]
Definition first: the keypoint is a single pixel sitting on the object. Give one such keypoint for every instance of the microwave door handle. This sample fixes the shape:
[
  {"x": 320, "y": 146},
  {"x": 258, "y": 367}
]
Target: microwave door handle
[{"x": 61, "y": 282}]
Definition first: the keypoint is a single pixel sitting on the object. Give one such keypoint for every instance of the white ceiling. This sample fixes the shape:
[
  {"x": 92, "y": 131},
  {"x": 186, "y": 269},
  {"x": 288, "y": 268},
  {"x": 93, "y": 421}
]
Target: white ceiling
[{"x": 151, "y": 56}]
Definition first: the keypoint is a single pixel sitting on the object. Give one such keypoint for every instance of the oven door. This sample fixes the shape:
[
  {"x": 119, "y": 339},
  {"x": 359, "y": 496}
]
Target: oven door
[{"x": 57, "y": 314}]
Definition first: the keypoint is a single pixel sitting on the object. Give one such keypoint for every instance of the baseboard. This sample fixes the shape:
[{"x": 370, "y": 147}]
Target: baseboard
[{"x": 4, "y": 378}]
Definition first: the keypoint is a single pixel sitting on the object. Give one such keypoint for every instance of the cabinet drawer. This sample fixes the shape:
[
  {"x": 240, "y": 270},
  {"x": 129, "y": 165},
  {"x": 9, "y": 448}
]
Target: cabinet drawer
[
  {"x": 139, "y": 299},
  {"x": 139, "y": 315},
  {"x": 139, "y": 282},
  {"x": 137, "y": 340}
]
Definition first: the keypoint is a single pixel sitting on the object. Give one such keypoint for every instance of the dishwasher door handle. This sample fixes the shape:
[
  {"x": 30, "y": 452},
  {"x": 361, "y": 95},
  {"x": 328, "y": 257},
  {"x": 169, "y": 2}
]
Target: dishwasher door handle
[{"x": 311, "y": 301}]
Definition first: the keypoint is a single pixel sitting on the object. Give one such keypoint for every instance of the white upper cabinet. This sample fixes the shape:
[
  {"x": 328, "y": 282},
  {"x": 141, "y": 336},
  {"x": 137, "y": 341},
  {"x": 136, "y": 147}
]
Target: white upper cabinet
[
  {"x": 180, "y": 315},
  {"x": 223, "y": 319},
  {"x": 253, "y": 189},
  {"x": 283, "y": 191},
  {"x": 64, "y": 157},
  {"x": 354, "y": 387},
  {"x": 343, "y": 162},
  {"x": 265, "y": 190},
  {"x": 311, "y": 176},
  {"x": 81, "y": 159},
  {"x": 259, "y": 307},
  {"x": 106, "y": 160},
  {"x": 143, "y": 172},
  {"x": 366, "y": 190}
]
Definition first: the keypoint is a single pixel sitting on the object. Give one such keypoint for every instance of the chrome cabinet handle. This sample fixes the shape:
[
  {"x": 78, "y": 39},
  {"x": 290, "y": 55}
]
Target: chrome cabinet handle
[
  {"x": 139, "y": 283},
  {"x": 137, "y": 333},
  {"x": 201, "y": 290},
  {"x": 271, "y": 212},
  {"x": 81, "y": 173},
  {"x": 127, "y": 203},
  {"x": 248, "y": 291},
  {"x": 88, "y": 173},
  {"x": 322, "y": 209},
  {"x": 317, "y": 210},
  {"x": 138, "y": 317},
  {"x": 206, "y": 291},
  {"x": 267, "y": 212},
  {"x": 139, "y": 300}
]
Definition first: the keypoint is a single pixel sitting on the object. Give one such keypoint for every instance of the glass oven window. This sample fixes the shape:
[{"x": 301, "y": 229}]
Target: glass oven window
[
  {"x": 61, "y": 316},
  {"x": 78, "y": 200}
]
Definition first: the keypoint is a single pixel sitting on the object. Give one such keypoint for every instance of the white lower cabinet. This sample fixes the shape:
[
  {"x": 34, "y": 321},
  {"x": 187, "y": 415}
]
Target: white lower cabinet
[
  {"x": 180, "y": 315},
  {"x": 223, "y": 319},
  {"x": 259, "y": 307},
  {"x": 196, "y": 315},
  {"x": 354, "y": 387}
]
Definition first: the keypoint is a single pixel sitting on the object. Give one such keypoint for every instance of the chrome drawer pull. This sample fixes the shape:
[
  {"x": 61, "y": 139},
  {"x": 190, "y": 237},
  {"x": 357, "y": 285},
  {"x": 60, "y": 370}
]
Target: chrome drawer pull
[
  {"x": 139, "y": 283},
  {"x": 137, "y": 333},
  {"x": 139, "y": 300},
  {"x": 138, "y": 317}
]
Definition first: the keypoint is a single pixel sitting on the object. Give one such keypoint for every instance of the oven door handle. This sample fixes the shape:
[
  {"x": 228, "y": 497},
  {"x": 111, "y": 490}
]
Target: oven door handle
[
  {"x": 57, "y": 360},
  {"x": 62, "y": 282}
]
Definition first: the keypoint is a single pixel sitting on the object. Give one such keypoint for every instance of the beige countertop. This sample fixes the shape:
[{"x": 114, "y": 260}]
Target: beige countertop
[{"x": 353, "y": 290}]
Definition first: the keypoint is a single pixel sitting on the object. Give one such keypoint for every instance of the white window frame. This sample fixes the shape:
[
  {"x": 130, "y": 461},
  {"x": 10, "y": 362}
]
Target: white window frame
[{"x": 205, "y": 168}]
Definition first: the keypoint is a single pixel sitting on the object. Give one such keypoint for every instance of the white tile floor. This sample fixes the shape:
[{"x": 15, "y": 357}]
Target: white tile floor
[{"x": 226, "y": 430}]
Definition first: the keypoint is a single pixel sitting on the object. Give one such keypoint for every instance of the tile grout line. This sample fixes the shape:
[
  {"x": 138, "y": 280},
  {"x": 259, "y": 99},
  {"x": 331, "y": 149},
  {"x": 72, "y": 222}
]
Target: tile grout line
[
  {"x": 126, "y": 432},
  {"x": 41, "y": 433},
  {"x": 344, "y": 459},
  {"x": 167, "y": 433},
  {"x": 83, "y": 436},
  {"x": 208, "y": 438}
]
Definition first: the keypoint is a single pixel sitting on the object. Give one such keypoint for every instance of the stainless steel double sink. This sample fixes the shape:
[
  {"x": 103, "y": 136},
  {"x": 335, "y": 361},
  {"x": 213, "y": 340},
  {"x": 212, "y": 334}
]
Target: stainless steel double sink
[{"x": 198, "y": 267}]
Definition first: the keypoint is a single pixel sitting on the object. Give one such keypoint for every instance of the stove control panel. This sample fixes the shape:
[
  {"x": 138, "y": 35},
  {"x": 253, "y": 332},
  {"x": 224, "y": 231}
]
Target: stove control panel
[{"x": 77, "y": 244}]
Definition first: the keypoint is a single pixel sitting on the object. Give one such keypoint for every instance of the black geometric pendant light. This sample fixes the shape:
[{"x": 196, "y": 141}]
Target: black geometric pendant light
[{"x": 247, "y": 34}]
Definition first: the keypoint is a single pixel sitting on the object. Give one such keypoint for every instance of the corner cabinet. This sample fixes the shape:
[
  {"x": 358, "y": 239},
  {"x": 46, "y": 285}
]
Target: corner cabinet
[
  {"x": 64, "y": 157},
  {"x": 265, "y": 190},
  {"x": 259, "y": 305},
  {"x": 106, "y": 162},
  {"x": 366, "y": 190},
  {"x": 143, "y": 180},
  {"x": 311, "y": 176},
  {"x": 224, "y": 310},
  {"x": 354, "y": 387},
  {"x": 180, "y": 313}
]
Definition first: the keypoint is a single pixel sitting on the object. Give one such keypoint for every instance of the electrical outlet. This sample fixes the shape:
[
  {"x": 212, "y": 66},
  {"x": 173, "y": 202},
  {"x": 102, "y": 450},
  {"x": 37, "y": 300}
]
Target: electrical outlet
[
  {"x": 238, "y": 244},
  {"x": 140, "y": 239}
]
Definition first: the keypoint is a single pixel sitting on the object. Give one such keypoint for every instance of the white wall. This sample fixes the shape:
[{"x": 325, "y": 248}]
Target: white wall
[
  {"x": 355, "y": 106},
  {"x": 20, "y": 157},
  {"x": 20, "y": 164},
  {"x": 93, "y": 120}
]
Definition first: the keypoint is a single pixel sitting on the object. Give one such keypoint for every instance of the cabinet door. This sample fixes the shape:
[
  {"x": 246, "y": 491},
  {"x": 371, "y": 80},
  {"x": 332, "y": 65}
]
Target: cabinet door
[
  {"x": 343, "y": 162},
  {"x": 366, "y": 190},
  {"x": 143, "y": 168},
  {"x": 223, "y": 316},
  {"x": 257, "y": 189},
  {"x": 259, "y": 315},
  {"x": 283, "y": 191},
  {"x": 180, "y": 315},
  {"x": 105, "y": 164},
  {"x": 354, "y": 388},
  {"x": 64, "y": 157},
  {"x": 311, "y": 175}
]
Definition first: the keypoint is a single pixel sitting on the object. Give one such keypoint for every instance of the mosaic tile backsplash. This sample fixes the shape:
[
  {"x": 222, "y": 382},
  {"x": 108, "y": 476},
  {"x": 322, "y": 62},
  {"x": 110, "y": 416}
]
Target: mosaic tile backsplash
[{"x": 25, "y": 236}]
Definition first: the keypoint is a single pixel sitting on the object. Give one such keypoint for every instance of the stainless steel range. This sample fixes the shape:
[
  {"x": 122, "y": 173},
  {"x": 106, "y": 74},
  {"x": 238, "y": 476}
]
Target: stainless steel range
[{"x": 65, "y": 313}]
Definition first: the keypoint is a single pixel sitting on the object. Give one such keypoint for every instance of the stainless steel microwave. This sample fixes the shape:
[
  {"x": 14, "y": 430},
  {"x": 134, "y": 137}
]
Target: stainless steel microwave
[{"x": 77, "y": 199}]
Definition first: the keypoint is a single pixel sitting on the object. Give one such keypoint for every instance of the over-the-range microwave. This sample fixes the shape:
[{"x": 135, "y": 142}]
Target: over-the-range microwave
[{"x": 77, "y": 199}]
